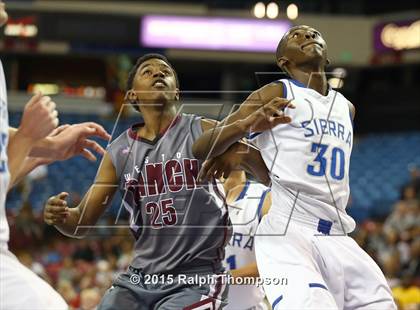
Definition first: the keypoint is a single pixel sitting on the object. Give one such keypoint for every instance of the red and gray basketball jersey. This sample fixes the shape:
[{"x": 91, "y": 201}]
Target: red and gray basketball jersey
[{"x": 177, "y": 222}]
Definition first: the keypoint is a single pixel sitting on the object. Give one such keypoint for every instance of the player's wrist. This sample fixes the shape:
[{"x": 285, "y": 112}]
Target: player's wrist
[
  {"x": 45, "y": 148},
  {"x": 26, "y": 138}
]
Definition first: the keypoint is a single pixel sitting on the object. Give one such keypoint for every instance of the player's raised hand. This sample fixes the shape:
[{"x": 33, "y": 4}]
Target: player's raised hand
[
  {"x": 270, "y": 115},
  {"x": 74, "y": 140},
  {"x": 39, "y": 118},
  {"x": 56, "y": 210}
]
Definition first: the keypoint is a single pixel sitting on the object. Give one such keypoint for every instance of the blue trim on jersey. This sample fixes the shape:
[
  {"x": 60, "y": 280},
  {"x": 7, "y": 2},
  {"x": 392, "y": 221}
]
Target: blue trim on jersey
[
  {"x": 261, "y": 203},
  {"x": 320, "y": 285},
  {"x": 297, "y": 83},
  {"x": 253, "y": 135},
  {"x": 284, "y": 89},
  {"x": 243, "y": 192},
  {"x": 277, "y": 301},
  {"x": 324, "y": 226}
]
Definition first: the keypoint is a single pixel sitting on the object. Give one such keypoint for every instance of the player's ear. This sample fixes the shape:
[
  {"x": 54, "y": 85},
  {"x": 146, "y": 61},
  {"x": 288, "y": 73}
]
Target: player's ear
[
  {"x": 328, "y": 62},
  {"x": 131, "y": 96},
  {"x": 177, "y": 94},
  {"x": 282, "y": 62}
]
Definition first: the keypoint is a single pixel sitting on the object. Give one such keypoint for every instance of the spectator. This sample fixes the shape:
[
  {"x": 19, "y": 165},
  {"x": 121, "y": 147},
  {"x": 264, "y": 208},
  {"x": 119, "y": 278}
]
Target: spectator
[
  {"x": 407, "y": 295},
  {"x": 89, "y": 299}
]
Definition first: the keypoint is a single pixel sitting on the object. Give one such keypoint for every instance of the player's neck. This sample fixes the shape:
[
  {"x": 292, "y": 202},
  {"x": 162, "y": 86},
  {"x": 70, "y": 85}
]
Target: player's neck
[
  {"x": 156, "y": 119},
  {"x": 312, "y": 77}
]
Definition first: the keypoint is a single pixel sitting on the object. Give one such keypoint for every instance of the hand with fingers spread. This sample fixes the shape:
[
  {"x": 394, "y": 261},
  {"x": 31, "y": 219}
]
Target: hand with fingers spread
[
  {"x": 269, "y": 115},
  {"x": 73, "y": 140},
  {"x": 56, "y": 210},
  {"x": 39, "y": 118}
]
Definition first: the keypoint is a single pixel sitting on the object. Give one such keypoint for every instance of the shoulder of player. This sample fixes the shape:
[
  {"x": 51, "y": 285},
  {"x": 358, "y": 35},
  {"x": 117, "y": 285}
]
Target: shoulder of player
[
  {"x": 352, "y": 109},
  {"x": 117, "y": 141},
  {"x": 268, "y": 92},
  {"x": 350, "y": 105}
]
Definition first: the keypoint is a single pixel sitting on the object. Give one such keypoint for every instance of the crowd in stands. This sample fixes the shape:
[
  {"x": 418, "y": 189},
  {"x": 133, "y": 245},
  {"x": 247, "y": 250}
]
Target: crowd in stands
[
  {"x": 394, "y": 243},
  {"x": 81, "y": 270}
]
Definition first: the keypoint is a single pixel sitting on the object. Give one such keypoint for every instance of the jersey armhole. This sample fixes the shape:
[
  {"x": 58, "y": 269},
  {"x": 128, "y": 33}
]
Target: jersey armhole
[
  {"x": 283, "y": 86},
  {"x": 261, "y": 204}
]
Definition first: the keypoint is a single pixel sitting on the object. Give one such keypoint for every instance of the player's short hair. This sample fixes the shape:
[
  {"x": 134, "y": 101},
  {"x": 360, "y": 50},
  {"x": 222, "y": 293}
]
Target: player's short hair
[
  {"x": 142, "y": 59},
  {"x": 280, "y": 46}
]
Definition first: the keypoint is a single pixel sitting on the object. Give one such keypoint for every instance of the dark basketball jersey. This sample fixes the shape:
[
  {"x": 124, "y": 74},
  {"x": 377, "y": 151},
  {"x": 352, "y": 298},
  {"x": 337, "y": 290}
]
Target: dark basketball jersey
[{"x": 176, "y": 221}]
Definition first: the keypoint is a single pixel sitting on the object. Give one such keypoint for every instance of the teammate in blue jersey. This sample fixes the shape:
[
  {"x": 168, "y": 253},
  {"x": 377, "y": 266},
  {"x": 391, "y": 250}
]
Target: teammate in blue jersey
[
  {"x": 248, "y": 201},
  {"x": 180, "y": 225},
  {"x": 304, "y": 235}
]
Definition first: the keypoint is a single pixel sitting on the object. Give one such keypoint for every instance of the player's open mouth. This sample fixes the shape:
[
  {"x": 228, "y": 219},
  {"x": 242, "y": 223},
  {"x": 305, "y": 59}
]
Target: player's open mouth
[{"x": 159, "y": 83}]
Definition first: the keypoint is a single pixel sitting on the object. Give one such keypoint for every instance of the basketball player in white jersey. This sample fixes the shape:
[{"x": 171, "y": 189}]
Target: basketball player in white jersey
[
  {"x": 248, "y": 202},
  {"x": 306, "y": 147},
  {"x": 20, "y": 288}
]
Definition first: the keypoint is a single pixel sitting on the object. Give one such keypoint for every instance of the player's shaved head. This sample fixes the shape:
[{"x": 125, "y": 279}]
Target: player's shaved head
[
  {"x": 301, "y": 46},
  {"x": 283, "y": 40},
  {"x": 3, "y": 14}
]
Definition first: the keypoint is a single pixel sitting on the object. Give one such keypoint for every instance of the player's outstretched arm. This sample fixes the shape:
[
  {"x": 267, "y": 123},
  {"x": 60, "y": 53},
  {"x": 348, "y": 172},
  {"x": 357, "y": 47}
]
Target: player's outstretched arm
[
  {"x": 69, "y": 221},
  {"x": 68, "y": 141},
  {"x": 261, "y": 111},
  {"x": 39, "y": 119},
  {"x": 64, "y": 142}
]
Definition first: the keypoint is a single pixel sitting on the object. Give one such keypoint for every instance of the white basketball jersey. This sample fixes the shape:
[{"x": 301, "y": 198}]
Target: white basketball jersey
[
  {"x": 309, "y": 158},
  {"x": 4, "y": 171},
  {"x": 245, "y": 215}
]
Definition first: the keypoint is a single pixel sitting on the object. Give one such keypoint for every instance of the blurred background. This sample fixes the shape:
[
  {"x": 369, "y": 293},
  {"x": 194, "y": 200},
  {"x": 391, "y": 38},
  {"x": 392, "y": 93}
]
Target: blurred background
[{"x": 80, "y": 52}]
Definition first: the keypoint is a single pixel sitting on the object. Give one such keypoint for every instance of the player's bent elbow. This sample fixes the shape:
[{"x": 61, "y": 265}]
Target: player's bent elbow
[
  {"x": 77, "y": 233},
  {"x": 198, "y": 151}
]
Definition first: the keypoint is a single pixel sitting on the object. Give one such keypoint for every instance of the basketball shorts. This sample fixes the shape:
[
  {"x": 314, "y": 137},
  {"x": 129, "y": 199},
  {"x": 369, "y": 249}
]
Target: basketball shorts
[
  {"x": 318, "y": 270},
  {"x": 195, "y": 288},
  {"x": 21, "y": 289}
]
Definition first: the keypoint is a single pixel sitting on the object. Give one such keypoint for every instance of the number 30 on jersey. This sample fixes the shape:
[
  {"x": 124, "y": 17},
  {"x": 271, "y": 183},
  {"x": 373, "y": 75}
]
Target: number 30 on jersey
[{"x": 320, "y": 164}]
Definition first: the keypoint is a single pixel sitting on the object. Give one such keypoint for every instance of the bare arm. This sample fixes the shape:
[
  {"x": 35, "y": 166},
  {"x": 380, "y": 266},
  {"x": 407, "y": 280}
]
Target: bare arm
[
  {"x": 29, "y": 164},
  {"x": 239, "y": 156},
  {"x": 67, "y": 141},
  {"x": 39, "y": 119},
  {"x": 64, "y": 142},
  {"x": 267, "y": 204},
  {"x": 94, "y": 203},
  {"x": 249, "y": 270},
  {"x": 17, "y": 151},
  {"x": 352, "y": 110},
  {"x": 218, "y": 139}
]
